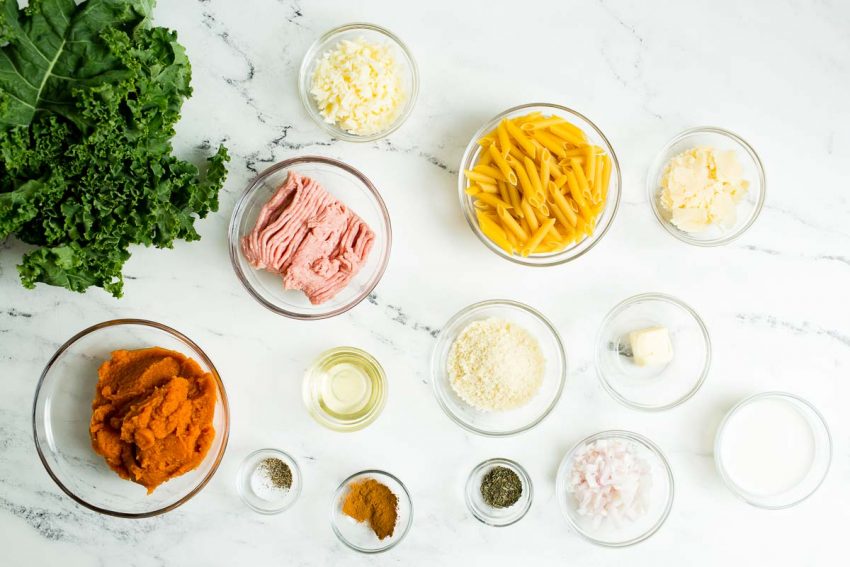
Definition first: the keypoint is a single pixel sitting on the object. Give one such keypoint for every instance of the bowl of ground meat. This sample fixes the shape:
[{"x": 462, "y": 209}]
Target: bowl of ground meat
[{"x": 310, "y": 237}]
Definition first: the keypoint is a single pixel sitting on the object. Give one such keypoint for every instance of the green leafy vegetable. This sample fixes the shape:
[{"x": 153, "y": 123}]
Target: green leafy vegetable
[{"x": 89, "y": 96}]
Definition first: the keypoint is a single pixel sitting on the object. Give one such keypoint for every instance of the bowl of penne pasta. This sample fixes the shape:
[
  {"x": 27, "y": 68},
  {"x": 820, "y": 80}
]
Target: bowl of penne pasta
[{"x": 539, "y": 184}]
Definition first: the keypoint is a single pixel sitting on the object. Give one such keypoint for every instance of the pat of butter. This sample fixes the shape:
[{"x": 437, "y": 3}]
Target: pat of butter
[{"x": 651, "y": 346}]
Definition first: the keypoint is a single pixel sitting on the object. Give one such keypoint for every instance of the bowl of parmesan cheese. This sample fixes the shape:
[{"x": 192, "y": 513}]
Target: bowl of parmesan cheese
[
  {"x": 707, "y": 186},
  {"x": 498, "y": 368},
  {"x": 359, "y": 82}
]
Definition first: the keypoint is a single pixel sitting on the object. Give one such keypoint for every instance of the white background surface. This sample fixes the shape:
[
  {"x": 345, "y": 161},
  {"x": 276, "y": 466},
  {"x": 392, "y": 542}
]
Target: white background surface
[{"x": 776, "y": 301}]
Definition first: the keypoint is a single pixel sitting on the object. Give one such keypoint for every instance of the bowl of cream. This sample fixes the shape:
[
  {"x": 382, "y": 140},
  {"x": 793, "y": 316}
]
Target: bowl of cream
[{"x": 773, "y": 450}]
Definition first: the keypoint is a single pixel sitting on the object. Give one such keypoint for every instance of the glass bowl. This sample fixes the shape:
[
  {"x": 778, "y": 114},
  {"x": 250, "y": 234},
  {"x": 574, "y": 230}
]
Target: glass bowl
[
  {"x": 262, "y": 499},
  {"x": 821, "y": 456},
  {"x": 62, "y": 413},
  {"x": 652, "y": 388},
  {"x": 747, "y": 210},
  {"x": 358, "y": 535},
  {"x": 508, "y": 422},
  {"x": 498, "y": 517},
  {"x": 372, "y": 34},
  {"x": 608, "y": 533},
  {"x": 346, "y": 184},
  {"x": 374, "y": 391},
  {"x": 594, "y": 135}
]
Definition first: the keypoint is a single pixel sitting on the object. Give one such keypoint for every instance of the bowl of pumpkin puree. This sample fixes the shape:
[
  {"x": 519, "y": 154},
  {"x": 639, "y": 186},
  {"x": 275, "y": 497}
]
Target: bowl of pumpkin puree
[{"x": 130, "y": 418}]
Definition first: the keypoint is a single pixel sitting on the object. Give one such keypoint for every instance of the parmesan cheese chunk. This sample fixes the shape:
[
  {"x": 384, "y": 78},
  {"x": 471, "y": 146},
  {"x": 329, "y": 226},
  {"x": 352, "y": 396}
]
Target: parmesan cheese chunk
[
  {"x": 358, "y": 86},
  {"x": 494, "y": 364},
  {"x": 701, "y": 187}
]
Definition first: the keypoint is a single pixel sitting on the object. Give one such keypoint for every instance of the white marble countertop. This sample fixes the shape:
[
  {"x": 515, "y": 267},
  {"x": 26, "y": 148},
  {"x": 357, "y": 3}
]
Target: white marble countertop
[{"x": 775, "y": 301}]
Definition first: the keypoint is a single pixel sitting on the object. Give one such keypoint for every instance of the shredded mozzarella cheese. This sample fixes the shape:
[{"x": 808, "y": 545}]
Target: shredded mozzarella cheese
[{"x": 359, "y": 86}]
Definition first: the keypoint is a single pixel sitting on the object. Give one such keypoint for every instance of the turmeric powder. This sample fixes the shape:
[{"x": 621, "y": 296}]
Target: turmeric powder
[{"x": 369, "y": 500}]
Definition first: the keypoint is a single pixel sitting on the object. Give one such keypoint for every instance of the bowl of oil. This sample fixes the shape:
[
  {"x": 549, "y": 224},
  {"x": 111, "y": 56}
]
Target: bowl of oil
[{"x": 345, "y": 389}]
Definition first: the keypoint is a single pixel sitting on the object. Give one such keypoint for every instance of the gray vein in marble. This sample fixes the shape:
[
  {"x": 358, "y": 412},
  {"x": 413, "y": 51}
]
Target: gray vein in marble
[
  {"x": 239, "y": 84},
  {"x": 803, "y": 328},
  {"x": 768, "y": 251},
  {"x": 805, "y": 222},
  {"x": 295, "y": 12},
  {"x": 15, "y": 313},
  {"x": 389, "y": 146},
  {"x": 40, "y": 519},
  {"x": 820, "y": 257},
  {"x": 398, "y": 315},
  {"x": 267, "y": 155}
]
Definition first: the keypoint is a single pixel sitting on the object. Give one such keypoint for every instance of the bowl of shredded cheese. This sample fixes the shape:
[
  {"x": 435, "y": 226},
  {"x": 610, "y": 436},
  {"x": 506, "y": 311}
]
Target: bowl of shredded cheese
[
  {"x": 498, "y": 368},
  {"x": 359, "y": 82},
  {"x": 707, "y": 186}
]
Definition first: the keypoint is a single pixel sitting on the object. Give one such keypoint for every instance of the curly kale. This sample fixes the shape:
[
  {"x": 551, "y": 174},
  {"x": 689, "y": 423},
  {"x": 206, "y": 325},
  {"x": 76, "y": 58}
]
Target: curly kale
[{"x": 89, "y": 96}]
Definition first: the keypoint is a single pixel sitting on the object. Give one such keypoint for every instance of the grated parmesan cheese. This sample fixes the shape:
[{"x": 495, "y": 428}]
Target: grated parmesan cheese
[
  {"x": 358, "y": 86},
  {"x": 494, "y": 364}
]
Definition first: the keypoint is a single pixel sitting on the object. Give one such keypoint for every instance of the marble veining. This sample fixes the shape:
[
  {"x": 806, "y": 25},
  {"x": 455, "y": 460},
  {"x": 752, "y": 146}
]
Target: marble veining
[{"x": 775, "y": 301}]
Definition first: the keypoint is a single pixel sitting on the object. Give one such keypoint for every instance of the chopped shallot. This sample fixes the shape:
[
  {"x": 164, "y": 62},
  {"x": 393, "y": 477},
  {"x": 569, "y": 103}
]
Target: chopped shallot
[{"x": 609, "y": 481}]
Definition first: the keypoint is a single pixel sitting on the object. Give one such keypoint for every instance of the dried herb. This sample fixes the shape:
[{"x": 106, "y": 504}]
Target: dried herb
[
  {"x": 501, "y": 487},
  {"x": 278, "y": 473}
]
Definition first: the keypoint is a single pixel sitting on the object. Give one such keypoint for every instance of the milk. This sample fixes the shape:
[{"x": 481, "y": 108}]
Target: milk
[{"x": 767, "y": 447}]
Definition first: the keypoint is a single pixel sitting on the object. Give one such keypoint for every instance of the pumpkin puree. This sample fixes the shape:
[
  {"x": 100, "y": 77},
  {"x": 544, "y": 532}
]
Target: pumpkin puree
[{"x": 152, "y": 414}]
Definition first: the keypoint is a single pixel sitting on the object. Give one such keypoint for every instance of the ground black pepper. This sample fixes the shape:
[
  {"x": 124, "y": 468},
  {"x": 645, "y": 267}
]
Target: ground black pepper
[{"x": 278, "y": 473}]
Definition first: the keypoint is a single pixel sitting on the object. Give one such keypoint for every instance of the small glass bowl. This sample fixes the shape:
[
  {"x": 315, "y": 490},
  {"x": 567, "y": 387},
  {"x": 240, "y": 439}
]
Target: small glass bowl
[
  {"x": 254, "y": 497},
  {"x": 653, "y": 388},
  {"x": 312, "y": 388},
  {"x": 594, "y": 135},
  {"x": 607, "y": 534},
  {"x": 822, "y": 458},
  {"x": 346, "y": 184},
  {"x": 508, "y": 422},
  {"x": 359, "y": 535},
  {"x": 747, "y": 210},
  {"x": 62, "y": 414},
  {"x": 498, "y": 517},
  {"x": 373, "y": 34}
]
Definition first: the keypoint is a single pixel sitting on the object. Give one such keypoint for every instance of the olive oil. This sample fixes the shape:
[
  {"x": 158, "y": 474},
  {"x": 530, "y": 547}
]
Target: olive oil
[{"x": 345, "y": 388}]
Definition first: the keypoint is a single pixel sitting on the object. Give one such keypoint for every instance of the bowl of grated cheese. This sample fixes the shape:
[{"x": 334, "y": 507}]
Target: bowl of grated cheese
[
  {"x": 359, "y": 82},
  {"x": 498, "y": 368},
  {"x": 707, "y": 186}
]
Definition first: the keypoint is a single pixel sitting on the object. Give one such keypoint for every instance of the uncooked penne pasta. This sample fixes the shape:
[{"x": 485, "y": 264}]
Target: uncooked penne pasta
[
  {"x": 538, "y": 186},
  {"x": 503, "y": 166},
  {"x": 492, "y": 200},
  {"x": 512, "y": 225},
  {"x": 542, "y": 123},
  {"x": 529, "y": 215},
  {"x": 567, "y": 135},
  {"x": 521, "y": 138},
  {"x": 495, "y": 233},
  {"x": 534, "y": 176},
  {"x": 563, "y": 206},
  {"x": 550, "y": 142},
  {"x": 478, "y": 177},
  {"x": 489, "y": 171},
  {"x": 537, "y": 237},
  {"x": 503, "y": 192},
  {"x": 504, "y": 139},
  {"x": 524, "y": 181}
]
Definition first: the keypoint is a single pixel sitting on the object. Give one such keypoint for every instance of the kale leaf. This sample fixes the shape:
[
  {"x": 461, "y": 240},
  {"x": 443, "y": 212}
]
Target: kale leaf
[{"x": 89, "y": 96}]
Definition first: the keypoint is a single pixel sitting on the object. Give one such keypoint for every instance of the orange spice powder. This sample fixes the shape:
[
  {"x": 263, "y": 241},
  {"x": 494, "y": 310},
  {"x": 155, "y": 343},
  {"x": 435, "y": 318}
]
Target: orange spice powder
[{"x": 370, "y": 501}]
